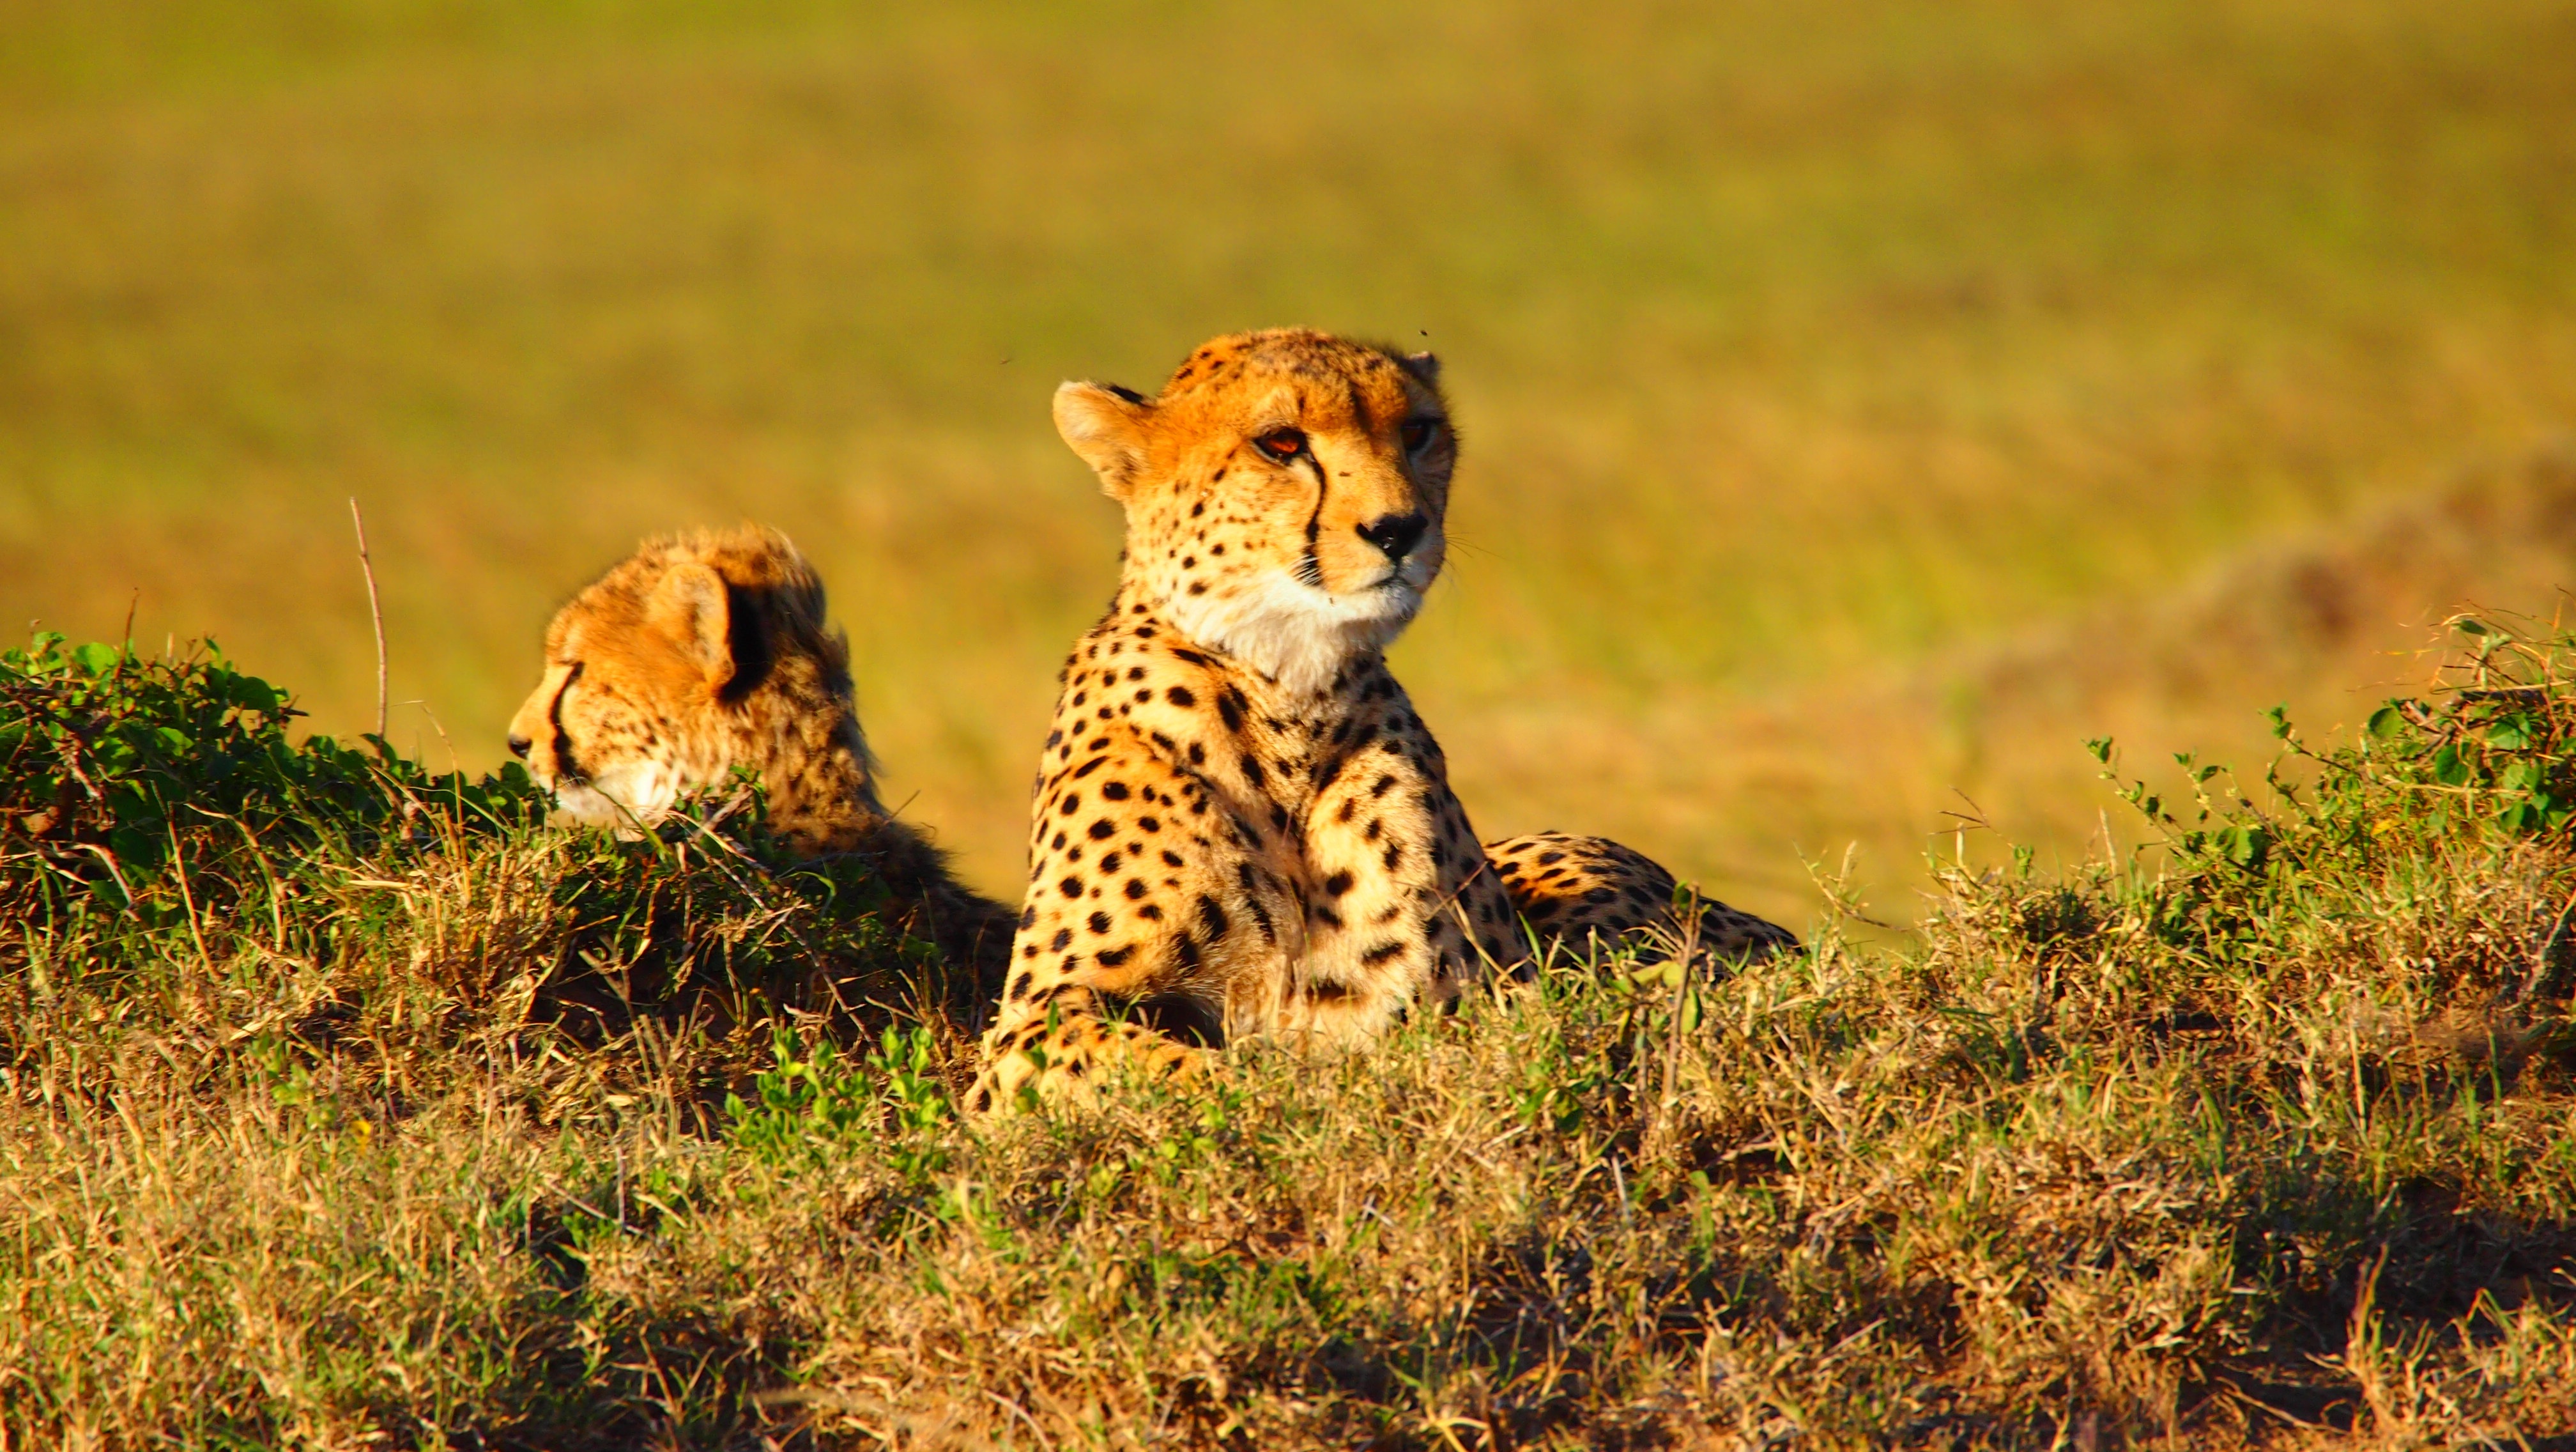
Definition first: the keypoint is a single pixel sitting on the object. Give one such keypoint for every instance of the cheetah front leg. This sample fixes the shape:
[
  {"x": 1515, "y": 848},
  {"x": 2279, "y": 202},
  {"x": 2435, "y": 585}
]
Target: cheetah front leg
[
  {"x": 1151, "y": 906},
  {"x": 1067, "y": 1052},
  {"x": 1402, "y": 906}
]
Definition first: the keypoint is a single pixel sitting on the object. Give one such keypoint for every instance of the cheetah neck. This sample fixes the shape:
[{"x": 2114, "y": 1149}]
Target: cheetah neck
[
  {"x": 820, "y": 774},
  {"x": 1301, "y": 639}
]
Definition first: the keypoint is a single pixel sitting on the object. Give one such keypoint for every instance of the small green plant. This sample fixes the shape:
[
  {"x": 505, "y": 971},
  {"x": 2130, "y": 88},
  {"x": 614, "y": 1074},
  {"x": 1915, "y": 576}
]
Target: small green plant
[
  {"x": 813, "y": 1101},
  {"x": 2499, "y": 742},
  {"x": 917, "y": 1101},
  {"x": 807, "y": 1100}
]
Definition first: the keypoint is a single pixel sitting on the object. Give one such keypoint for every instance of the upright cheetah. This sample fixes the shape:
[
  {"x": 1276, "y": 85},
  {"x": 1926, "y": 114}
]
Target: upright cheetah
[
  {"x": 708, "y": 651},
  {"x": 1240, "y": 825}
]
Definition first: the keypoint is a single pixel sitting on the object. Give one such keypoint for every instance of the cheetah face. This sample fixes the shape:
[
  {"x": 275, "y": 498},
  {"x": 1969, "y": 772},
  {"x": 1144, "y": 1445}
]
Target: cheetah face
[
  {"x": 1285, "y": 495},
  {"x": 594, "y": 749},
  {"x": 605, "y": 728}
]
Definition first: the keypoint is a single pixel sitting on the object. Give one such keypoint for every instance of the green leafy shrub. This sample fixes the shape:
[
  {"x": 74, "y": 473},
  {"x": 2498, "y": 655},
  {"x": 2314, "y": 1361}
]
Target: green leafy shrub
[
  {"x": 141, "y": 786},
  {"x": 2479, "y": 772}
]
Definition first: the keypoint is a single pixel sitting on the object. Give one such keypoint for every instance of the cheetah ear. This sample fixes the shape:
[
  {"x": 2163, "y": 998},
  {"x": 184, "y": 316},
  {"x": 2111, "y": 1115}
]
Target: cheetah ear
[
  {"x": 690, "y": 605},
  {"x": 1105, "y": 424},
  {"x": 1425, "y": 366}
]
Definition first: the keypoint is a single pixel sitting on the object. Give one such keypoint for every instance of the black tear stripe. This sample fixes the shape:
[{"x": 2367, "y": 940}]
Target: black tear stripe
[
  {"x": 1310, "y": 570},
  {"x": 566, "y": 769}
]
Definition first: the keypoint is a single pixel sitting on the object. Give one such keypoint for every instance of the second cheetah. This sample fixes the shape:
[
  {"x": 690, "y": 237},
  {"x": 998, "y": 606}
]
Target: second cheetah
[{"x": 706, "y": 652}]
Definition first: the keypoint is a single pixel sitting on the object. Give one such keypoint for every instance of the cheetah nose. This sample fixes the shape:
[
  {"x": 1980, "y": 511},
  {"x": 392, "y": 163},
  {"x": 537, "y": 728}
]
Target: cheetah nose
[
  {"x": 519, "y": 747},
  {"x": 1396, "y": 534}
]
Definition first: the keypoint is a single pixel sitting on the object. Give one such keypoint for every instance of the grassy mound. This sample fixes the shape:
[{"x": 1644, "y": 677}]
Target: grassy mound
[{"x": 346, "y": 1103}]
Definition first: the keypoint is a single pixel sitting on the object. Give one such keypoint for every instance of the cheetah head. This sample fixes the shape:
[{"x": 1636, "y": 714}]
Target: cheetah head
[
  {"x": 657, "y": 675},
  {"x": 1284, "y": 494}
]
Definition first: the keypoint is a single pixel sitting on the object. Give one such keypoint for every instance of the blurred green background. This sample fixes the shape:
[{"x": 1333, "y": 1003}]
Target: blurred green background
[{"x": 1862, "y": 400}]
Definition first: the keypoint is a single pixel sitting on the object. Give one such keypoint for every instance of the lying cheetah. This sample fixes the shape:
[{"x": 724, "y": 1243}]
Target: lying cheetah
[
  {"x": 1240, "y": 825},
  {"x": 707, "y": 651}
]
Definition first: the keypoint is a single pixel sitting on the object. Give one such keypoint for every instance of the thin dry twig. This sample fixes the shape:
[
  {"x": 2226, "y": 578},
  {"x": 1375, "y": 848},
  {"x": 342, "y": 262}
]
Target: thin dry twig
[{"x": 376, "y": 613}]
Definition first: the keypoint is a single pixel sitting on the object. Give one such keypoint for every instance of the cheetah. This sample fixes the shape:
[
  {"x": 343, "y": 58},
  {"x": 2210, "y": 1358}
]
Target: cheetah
[
  {"x": 707, "y": 651},
  {"x": 1240, "y": 826}
]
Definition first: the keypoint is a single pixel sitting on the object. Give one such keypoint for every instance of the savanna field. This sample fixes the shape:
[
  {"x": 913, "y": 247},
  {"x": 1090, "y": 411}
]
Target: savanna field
[{"x": 1864, "y": 406}]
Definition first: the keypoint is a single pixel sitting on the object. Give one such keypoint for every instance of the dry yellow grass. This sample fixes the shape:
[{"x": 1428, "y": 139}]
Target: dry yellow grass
[{"x": 401, "y": 1119}]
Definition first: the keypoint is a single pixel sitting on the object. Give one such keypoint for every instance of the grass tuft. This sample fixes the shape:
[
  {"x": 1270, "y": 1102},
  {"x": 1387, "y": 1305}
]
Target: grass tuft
[{"x": 416, "y": 1121}]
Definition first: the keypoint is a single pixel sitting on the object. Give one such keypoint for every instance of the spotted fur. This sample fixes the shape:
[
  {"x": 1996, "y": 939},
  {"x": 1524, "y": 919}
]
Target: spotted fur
[
  {"x": 1240, "y": 825},
  {"x": 1588, "y": 891},
  {"x": 708, "y": 651}
]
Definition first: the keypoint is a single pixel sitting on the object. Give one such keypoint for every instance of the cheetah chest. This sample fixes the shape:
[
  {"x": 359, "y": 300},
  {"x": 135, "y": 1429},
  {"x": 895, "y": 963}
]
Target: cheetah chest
[{"x": 1207, "y": 853}]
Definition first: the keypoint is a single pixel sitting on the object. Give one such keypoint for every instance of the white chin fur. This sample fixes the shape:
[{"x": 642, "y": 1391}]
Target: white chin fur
[
  {"x": 621, "y": 797},
  {"x": 1295, "y": 634}
]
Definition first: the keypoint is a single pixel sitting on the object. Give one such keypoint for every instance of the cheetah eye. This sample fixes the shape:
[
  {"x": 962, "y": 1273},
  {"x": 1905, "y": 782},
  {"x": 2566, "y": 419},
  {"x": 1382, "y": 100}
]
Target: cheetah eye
[
  {"x": 1282, "y": 444},
  {"x": 1418, "y": 432}
]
